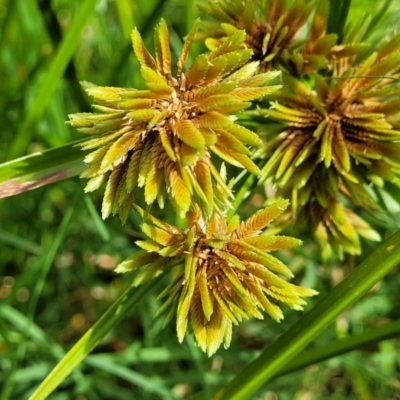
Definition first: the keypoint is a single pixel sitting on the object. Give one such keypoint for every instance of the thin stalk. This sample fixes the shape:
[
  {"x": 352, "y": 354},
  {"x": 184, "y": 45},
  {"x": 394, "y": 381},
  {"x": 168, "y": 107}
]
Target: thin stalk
[
  {"x": 241, "y": 194},
  {"x": 280, "y": 352}
]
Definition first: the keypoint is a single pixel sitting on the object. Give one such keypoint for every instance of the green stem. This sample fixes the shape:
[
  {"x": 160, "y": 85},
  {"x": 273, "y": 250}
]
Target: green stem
[
  {"x": 241, "y": 194},
  {"x": 124, "y": 304},
  {"x": 275, "y": 356}
]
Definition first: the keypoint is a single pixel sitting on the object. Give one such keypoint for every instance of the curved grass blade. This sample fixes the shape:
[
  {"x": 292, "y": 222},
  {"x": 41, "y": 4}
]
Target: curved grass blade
[
  {"x": 340, "y": 347},
  {"x": 20, "y": 243},
  {"x": 51, "y": 79},
  {"x": 275, "y": 356},
  {"x": 39, "y": 169},
  {"x": 121, "y": 307},
  {"x": 377, "y": 19},
  {"x": 151, "y": 385},
  {"x": 126, "y": 17}
]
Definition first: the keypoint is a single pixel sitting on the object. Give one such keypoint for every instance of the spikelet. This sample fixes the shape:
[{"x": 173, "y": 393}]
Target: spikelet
[
  {"x": 161, "y": 139},
  {"x": 223, "y": 273}
]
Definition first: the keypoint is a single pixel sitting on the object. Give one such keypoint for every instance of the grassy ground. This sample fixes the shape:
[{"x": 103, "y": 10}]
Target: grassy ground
[{"x": 57, "y": 256}]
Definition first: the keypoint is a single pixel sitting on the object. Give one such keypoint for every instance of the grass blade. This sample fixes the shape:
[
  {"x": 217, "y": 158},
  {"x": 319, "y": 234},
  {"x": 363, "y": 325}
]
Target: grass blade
[
  {"x": 338, "y": 12},
  {"x": 340, "y": 347},
  {"x": 19, "y": 242},
  {"x": 39, "y": 169},
  {"x": 151, "y": 385},
  {"x": 125, "y": 15},
  {"x": 124, "y": 304},
  {"x": 29, "y": 329},
  {"x": 51, "y": 79},
  {"x": 275, "y": 356}
]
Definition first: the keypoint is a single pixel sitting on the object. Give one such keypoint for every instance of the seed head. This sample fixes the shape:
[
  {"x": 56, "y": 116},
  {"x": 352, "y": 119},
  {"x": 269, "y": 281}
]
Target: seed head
[
  {"x": 223, "y": 272},
  {"x": 340, "y": 140},
  {"x": 275, "y": 32}
]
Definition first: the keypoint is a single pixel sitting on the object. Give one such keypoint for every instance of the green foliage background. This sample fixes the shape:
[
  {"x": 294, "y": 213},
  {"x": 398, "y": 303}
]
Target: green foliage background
[{"x": 57, "y": 255}]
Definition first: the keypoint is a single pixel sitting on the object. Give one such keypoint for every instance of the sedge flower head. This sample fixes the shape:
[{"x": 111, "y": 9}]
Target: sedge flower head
[
  {"x": 223, "y": 273},
  {"x": 340, "y": 140},
  {"x": 277, "y": 33},
  {"x": 160, "y": 139}
]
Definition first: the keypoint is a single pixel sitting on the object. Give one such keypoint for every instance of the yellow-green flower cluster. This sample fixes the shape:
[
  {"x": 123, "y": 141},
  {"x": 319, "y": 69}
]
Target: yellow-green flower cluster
[
  {"x": 157, "y": 143},
  {"x": 160, "y": 139},
  {"x": 222, "y": 272}
]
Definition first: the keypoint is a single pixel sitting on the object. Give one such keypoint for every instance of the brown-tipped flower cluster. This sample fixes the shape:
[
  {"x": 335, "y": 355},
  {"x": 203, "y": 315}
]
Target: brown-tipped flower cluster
[
  {"x": 341, "y": 139},
  {"x": 222, "y": 272},
  {"x": 273, "y": 32},
  {"x": 160, "y": 138}
]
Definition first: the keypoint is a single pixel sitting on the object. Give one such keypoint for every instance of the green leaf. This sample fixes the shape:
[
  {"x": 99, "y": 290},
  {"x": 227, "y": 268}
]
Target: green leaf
[
  {"x": 40, "y": 169},
  {"x": 280, "y": 352}
]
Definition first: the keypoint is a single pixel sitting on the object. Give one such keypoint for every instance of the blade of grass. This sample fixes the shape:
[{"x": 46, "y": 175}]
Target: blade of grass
[
  {"x": 152, "y": 386},
  {"x": 55, "y": 35},
  {"x": 275, "y": 356},
  {"x": 39, "y": 169},
  {"x": 199, "y": 364},
  {"x": 338, "y": 12},
  {"x": 51, "y": 79},
  {"x": 118, "y": 310},
  {"x": 340, "y": 347},
  {"x": 135, "y": 354},
  {"x": 248, "y": 184},
  {"x": 125, "y": 15},
  {"x": 46, "y": 261},
  {"x": 98, "y": 222},
  {"x": 49, "y": 258},
  {"x": 377, "y": 19},
  {"x": 29, "y": 329},
  {"x": 19, "y": 242}
]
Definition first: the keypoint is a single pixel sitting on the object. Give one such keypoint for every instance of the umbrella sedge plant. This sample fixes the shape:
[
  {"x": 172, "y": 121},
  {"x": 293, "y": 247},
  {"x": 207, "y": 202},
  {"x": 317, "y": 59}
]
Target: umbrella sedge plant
[
  {"x": 157, "y": 143},
  {"x": 309, "y": 114}
]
